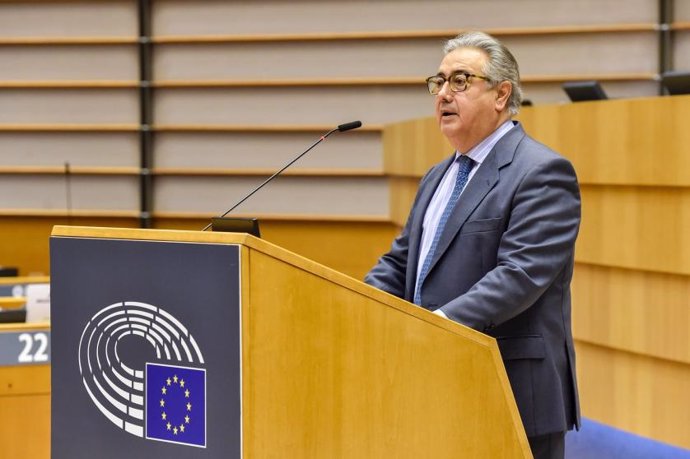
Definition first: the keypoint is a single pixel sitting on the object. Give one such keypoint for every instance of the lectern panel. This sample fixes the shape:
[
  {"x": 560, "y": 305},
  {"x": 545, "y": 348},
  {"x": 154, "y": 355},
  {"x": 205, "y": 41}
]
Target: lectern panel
[{"x": 146, "y": 349}]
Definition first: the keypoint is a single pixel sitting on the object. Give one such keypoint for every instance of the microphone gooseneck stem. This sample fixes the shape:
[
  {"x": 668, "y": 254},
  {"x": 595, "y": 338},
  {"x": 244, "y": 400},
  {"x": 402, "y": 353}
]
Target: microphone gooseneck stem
[{"x": 321, "y": 139}]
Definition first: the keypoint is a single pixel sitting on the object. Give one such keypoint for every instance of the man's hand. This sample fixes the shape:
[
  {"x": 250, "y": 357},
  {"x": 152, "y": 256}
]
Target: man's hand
[{"x": 438, "y": 312}]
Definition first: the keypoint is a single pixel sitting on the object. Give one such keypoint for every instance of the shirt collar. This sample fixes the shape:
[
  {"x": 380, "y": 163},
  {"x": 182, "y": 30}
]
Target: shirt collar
[{"x": 480, "y": 151}]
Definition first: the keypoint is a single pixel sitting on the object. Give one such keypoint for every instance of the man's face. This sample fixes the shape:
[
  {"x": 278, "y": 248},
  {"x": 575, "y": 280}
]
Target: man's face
[{"x": 467, "y": 117}]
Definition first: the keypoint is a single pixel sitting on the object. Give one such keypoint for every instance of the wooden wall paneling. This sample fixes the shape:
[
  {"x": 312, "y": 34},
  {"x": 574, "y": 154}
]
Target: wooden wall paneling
[
  {"x": 607, "y": 144},
  {"x": 356, "y": 149},
  {"x": 87, "y": 192},
  {"x": 25, "y": 417},
  {"x": 65, "y": 63},
  {"x": 266, "y": 106},
  {"x": 323, "y": 59},
  {"x": 24, "y": 239},
  {"x": 363, "y": 196},
  {"x": 68, "y": 18},
  {"x": 213, "y": 18},
  {"x": 403, "y": 192},
  {"x": 411, "y": 147},
  {"x": 68, "y": 127},
  {"x": 24, "y": 380},
  {"x": 636, "y": 393},
  {"x": 68, "y": 106},
  {"x": 25, "y": 426},
  {"x": 681, "y": 50},
  {"x": 625, "y": 154},
  {"x": 642, "y": 312},
  {"x": 641, "y": 228},
  {"x": 81, "y": 149},
  {"x": 589, "y": 53},
  {"x": 25, "y": 406},
  {"x": 681, "y": 10}
]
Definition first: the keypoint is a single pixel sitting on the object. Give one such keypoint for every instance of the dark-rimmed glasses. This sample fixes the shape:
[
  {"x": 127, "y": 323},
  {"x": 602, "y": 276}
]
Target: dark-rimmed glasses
[{"x": 458, "y": 81}]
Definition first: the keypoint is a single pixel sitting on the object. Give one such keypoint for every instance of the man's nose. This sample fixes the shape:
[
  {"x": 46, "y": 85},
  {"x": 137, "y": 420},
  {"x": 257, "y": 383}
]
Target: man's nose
[{"x": 444, "y": 92}]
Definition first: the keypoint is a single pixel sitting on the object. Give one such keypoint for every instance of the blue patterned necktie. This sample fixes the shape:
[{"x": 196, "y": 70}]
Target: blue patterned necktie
[{"x": 466, "y": 163}]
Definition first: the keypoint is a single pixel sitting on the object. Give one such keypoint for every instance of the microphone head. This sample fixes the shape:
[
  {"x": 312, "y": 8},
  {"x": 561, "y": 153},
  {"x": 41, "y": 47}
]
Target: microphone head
[{"x": 350, "y": 125}]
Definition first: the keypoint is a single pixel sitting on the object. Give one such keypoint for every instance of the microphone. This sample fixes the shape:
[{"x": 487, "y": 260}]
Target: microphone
[
  {"x": 348, "y": 126},
  {"x": 341, "y": 128}
]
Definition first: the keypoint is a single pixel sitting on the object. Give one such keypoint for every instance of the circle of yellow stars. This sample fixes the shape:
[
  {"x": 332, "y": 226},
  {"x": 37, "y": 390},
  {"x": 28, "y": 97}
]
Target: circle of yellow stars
[{"x": 171, "y": 383}]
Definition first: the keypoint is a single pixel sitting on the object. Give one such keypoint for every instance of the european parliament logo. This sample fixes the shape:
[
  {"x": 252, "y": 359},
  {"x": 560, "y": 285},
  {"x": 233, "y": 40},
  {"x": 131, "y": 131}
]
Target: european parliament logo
[{"x": 166, "y": 401}]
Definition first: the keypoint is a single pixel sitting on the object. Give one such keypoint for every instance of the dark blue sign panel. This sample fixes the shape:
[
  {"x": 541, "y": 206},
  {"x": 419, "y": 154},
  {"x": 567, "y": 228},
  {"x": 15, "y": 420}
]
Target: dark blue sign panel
[{"x": 145, "y": 349}]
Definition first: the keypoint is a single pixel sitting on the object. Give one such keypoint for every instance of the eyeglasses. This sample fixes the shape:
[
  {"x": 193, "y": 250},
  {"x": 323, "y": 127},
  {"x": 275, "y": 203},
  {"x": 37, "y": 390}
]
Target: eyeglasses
[{"x": 458, "y": 82}]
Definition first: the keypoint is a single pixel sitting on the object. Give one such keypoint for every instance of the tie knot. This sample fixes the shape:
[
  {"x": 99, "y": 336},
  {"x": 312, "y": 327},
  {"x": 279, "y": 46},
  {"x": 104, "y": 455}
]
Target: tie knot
[{"x": 465, "y": 163}]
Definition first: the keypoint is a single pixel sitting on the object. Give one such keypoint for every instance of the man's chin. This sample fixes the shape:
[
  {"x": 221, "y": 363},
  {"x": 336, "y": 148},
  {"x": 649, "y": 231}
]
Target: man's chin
[{"x": 449, "y": 125}]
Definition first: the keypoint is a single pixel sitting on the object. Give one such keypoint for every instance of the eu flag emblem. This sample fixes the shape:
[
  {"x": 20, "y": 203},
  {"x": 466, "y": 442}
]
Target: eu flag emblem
[{"x": 176, "y": 404}]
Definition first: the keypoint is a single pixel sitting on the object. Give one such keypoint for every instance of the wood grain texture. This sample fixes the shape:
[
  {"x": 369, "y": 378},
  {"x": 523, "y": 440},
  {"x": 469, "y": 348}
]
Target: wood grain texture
[
  {"x": 356, "y": 374},
  {"x": 636, "y": 393},
  {"x": 614, "y": 142},
  {"x": 640, "y": 312},
  {"x": 25, "y": 426},
  {"x": 24, "y": 239},
  {"x": 25, "y": 406},
  {"x": 618, "y": 142},
  {"x": 636, "y": 227}
]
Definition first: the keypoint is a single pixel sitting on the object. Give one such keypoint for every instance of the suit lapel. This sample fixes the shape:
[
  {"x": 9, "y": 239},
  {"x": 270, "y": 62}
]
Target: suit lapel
[{"x": 482, "y": 182}]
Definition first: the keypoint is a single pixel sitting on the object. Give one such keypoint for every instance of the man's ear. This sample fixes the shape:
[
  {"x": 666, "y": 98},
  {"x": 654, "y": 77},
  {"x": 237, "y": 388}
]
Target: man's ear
[{"x": 503, "y": 91}]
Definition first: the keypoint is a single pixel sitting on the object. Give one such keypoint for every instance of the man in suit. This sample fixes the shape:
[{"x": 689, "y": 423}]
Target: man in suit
[{"x": 489, "y": 242}]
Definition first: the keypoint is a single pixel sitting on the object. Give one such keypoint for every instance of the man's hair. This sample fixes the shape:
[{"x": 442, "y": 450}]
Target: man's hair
[{"x": 501, "y": 65}]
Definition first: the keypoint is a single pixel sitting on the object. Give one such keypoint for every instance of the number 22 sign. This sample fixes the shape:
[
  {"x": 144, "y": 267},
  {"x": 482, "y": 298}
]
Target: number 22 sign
[{"x": 31, "y": 347}]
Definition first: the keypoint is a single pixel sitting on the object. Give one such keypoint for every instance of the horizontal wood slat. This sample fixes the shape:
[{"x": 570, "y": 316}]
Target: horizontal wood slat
[
  {"x": 179, "y": 128},
  {"x": 319, "y": 82},
  {"x": 69, "y": 127},
  {"x": 681, "y": 25},
  {"x": 82, "y": 170},
  {"x": 295, "y": 172},
  {"x": 257, "y": 128},
  {"x": 67, "y": 41},
  {"x": 404, "y": 34},
  {"x": 277, "y": 217},
  {"x": 64, "y": 213},
  {"x": 69, "y": 84},
  {"x": 76, "y": 170},
  {"x": 375, "y": 81}
]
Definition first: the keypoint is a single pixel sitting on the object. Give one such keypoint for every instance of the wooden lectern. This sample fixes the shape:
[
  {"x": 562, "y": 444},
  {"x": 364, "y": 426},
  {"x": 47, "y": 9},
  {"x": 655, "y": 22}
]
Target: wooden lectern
[{"x": 328, "y": 366}]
